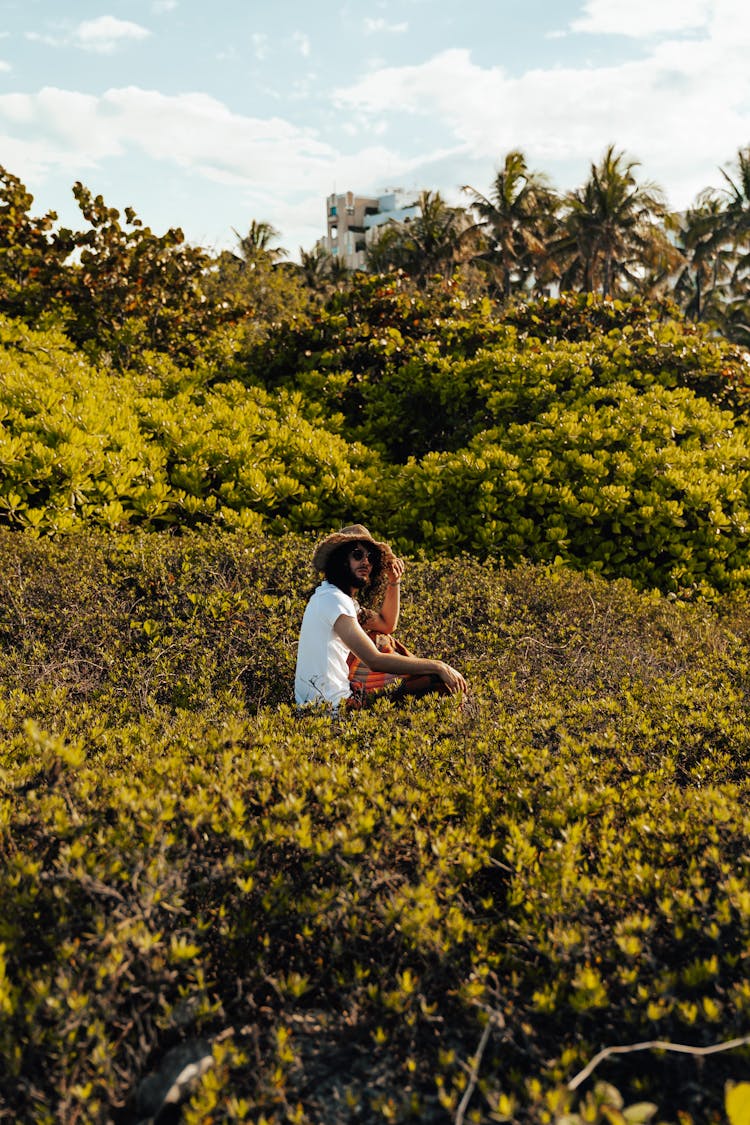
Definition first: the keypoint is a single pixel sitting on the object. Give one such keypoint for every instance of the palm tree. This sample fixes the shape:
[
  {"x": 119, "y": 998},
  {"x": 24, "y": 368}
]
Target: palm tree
[
  {"x": 610, "y": 229},
  {"x": 517, "y": 218},
  {"x": 438, "y": 240},
  {"x": 736, "y": 222},
  {"x": 738, "y": 197},
  {"x": 314, "y": 266},
  {"x": 256, "y": 245},
  {"x": 384, "y": 250},
  {"x": 700, "y": 286},
  {"x": 715, "y": 240},
  {"x": 733, "y": 320}
]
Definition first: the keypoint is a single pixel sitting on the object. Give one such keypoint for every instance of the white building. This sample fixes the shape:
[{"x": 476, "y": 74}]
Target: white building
[{"x": 352, "y": 222}]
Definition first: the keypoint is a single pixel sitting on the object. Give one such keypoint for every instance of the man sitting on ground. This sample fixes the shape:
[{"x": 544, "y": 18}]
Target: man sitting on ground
[{"x": 334, "y": 627}]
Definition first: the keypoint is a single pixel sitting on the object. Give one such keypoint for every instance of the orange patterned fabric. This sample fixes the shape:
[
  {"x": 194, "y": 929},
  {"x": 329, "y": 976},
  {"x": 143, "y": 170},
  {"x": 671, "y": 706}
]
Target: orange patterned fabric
[{"x": 362, "y": 678}]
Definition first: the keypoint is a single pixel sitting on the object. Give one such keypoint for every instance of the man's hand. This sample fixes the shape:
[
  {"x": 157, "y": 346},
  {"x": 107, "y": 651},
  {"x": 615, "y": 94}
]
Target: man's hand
[
  {"x": 396, "y": 569},
  {"x": 452, "y": 679}
]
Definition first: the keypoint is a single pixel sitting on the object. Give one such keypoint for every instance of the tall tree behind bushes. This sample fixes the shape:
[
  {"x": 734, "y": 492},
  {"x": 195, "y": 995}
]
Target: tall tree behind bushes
[
  {"x": 122, "y": 291},
  {"x": 613, "y": 236},
  {"x": 735, "y": 226},
  {"x": 612, "y": 228},
  {"x": 706, "y": 267},
  {"x": 32, "y": 274},
  {"x": 518, "y": 217},
  {"x": 125, "y": 292},
  {"x": 256, "y": 283},
  {"x": 134, "y": 289},
  {"x": 436, "y": 242},
  {"x": 118, "y": 287}
]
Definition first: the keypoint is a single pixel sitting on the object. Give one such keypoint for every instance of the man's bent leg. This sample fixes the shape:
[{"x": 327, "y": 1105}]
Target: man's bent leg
[{"x": 418, "y": 686}]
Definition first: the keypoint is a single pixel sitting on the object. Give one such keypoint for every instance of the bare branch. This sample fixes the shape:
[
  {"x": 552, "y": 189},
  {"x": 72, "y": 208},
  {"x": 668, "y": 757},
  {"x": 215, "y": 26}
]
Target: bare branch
[
  {"x": 654, "y": 1045},
  {"x": 494, "y": 1019}
]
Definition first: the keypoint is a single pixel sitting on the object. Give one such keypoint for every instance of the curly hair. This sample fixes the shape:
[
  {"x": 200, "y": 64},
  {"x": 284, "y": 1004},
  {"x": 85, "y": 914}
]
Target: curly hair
[{"x": 338, "y": 572}]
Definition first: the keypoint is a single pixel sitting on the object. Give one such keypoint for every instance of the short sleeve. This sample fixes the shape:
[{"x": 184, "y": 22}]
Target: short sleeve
[{"x": 336, "y": 604}]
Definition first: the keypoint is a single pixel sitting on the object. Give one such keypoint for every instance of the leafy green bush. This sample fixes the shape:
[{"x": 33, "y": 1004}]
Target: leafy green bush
[
  {"x": 610, "y": 453},
  {"x": 32, "y": 274},
  {"x": 409, "y": 372},
  {"x": 579, "y": 316},
  {"x": 347, "y": 358},
  {"x": 652, "y": 486},
  {"x": 338, "y": 908},
  {"x": 642, "y": 338},
  {"x": 80, "y": 445}
]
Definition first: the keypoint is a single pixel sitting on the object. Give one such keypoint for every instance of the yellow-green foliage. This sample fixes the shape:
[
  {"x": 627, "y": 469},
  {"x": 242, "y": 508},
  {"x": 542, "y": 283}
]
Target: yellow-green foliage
[
  {"x": 80, "y": 445},
  {"x": 340, "y": 906},
  {"x": 415, "y": 372},
  {"x": 651, "y": 485},
  {"x": 609, "y": 451}
]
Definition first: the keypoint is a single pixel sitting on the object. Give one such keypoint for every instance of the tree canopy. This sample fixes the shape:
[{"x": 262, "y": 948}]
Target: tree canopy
[{"x": 123, "y": 290}]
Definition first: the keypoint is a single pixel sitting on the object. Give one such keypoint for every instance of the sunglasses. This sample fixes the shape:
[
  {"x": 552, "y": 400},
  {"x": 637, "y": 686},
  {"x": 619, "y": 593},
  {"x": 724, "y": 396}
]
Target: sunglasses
[{"x": 359, "y": 553}]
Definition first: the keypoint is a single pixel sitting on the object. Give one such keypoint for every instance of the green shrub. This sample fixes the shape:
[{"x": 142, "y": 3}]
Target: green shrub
[
  {"x": 610, "y": 453},
  {"x": 338, "y": 907},
  {"x": 644, "y": 337},
  {"x": 413, "y": 372},
  {"x": 83, "y": 446},
  {"x": 152, "y": 620},
  {"x": 650, "y": 485}
]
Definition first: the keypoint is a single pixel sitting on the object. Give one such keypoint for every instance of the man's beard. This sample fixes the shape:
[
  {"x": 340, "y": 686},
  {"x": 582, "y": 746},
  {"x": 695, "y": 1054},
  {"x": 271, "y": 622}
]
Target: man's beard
[{"x": 358, "y": 582}]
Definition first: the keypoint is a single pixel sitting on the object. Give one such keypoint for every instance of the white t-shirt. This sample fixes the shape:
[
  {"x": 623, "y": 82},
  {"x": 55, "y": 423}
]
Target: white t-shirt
[{"x": 322, "y": 672}]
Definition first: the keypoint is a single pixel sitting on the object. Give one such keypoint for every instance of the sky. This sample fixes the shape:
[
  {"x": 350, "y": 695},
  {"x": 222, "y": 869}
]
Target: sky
[{"x": 207, "y": 115}]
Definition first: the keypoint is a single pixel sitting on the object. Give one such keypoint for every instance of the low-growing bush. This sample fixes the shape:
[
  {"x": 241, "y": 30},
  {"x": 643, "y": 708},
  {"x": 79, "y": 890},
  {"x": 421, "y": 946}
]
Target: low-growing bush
[
  {"x": 428, "y": 913},
  {"x": 152, "y": 619}
]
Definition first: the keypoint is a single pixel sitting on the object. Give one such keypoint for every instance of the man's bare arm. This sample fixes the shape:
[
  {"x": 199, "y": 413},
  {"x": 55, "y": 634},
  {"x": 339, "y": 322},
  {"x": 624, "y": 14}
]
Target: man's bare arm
[
  {"x": 355, "y": 639},
  {"x": 386, "y": 620}
]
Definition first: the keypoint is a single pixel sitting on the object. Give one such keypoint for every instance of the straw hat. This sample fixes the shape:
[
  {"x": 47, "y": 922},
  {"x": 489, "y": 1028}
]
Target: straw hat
[{"x": 354, "y": 534}]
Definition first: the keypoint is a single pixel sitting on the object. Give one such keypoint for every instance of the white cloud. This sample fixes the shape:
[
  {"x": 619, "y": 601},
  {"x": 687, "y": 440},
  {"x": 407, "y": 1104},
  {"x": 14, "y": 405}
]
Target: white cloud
[
  {"x": 17, "y": 108},
  {"x": 682, "y": 108},
  {"x": 641, "y": 18},
  {"x": 260, "y": 45},
  {"x": 48, "y": 40},
  {"x": 302, "y": 42},
  {"x": 277, "y": 166},
  {"x": 102, "y": 35},
  {"x": 106, "y": 33},
  {"x": 160, "y": 6},
  {"x": 4, "y": 66},
  {"x": 193, "y": 131},
  {"x": 376, "y": 25}
]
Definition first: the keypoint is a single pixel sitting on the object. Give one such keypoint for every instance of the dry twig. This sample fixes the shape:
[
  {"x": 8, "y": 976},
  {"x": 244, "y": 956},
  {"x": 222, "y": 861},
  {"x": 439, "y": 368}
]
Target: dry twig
[
  {"x": 654, "y": 1045},
  {"x": 495, "y": 1019}
]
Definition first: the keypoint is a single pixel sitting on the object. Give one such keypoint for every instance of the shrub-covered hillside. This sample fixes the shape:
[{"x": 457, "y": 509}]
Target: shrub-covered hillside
[
  {"x": 432, "y": 914},
  {"x": 602, "y": 435}
]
